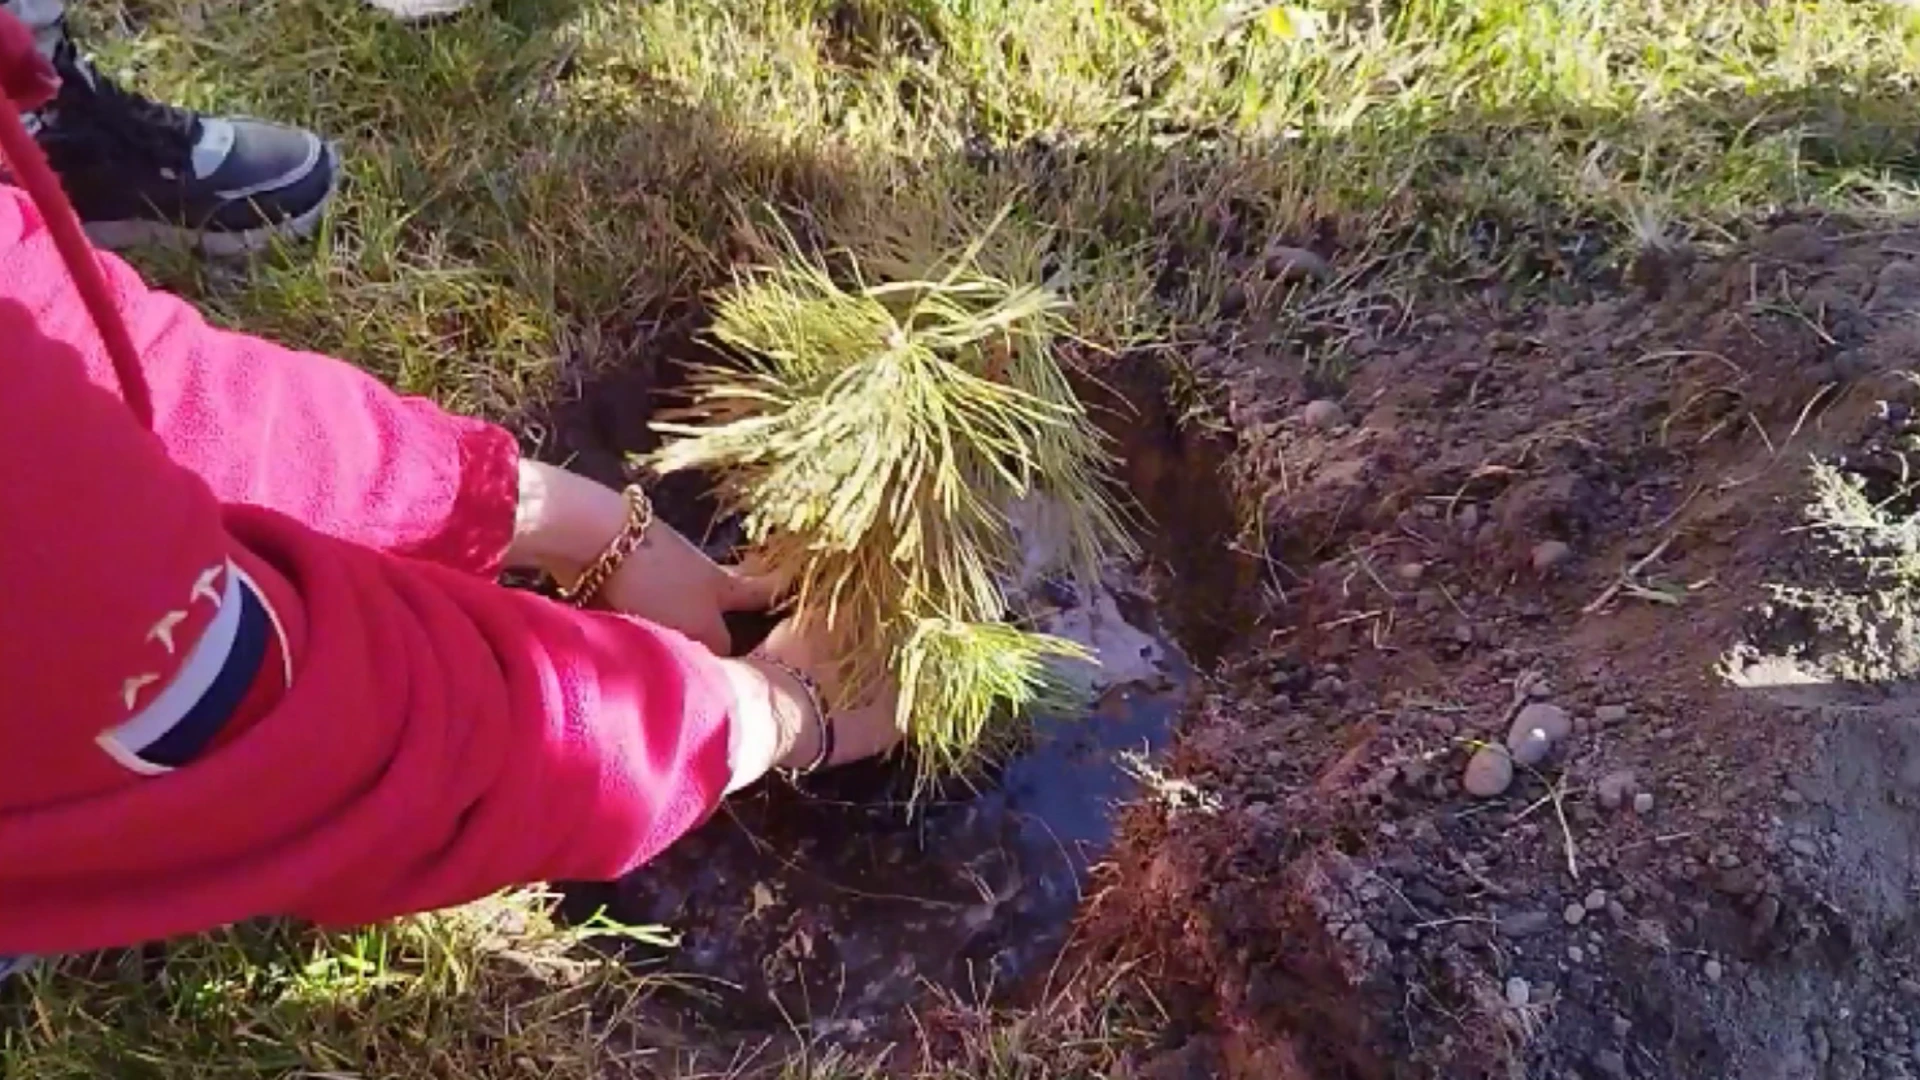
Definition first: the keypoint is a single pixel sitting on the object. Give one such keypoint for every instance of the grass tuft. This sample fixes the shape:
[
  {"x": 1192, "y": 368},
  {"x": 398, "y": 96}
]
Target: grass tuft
[{"x": 492, "y": 990}]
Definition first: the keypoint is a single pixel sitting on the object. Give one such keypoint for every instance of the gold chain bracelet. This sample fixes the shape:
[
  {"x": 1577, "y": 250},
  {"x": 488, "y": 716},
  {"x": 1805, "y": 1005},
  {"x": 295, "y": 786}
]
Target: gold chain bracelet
[{"x": 631, "y": 536}]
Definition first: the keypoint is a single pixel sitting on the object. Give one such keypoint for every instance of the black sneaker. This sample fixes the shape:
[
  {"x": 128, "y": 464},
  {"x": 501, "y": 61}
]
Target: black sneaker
[{"x": 140, "y": 172}]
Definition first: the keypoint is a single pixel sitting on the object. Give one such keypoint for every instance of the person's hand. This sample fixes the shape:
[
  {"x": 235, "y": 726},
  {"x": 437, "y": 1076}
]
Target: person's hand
[
  {"x": 775, "y": 719},
  {"x": 861, "y": 729},
  {"x": 564, "y": 521},
  {"x": 670, "y": 582}
]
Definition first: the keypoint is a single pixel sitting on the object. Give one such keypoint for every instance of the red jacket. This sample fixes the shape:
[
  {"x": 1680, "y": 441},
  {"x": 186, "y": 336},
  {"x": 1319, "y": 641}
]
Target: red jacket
[{"x": 253, "y": 662}]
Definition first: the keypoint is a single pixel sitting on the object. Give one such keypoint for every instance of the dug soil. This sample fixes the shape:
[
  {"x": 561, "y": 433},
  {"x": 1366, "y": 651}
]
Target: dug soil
[{"x": 1573, "y": 516}]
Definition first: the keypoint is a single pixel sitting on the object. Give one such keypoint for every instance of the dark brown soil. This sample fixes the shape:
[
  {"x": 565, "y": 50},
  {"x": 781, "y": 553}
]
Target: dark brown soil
[
  {"x": 1349, "y": 911},
  {"x": 1374, "y": 601}
]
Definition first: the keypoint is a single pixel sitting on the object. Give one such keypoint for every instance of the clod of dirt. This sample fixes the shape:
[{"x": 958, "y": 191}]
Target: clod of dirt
[
  {"x": 1489, "y": 772},
  {"x": 1535, "y": 731},
  {"x": 1193, "y": 1061},
  {"x": 1615, "y": 788},
  {"x": 1291, "y": 264},
  {"x": 1897, "y": 289},
  {"x": 1525, "y": 924},
  {"x": 1611, "y": 714},
  {"x": 1643, "y": 803},
  {"x": 1323, "y": 415},
  {"x": 1549, "y": 554},
  {"x": 1233, "y": 300}
]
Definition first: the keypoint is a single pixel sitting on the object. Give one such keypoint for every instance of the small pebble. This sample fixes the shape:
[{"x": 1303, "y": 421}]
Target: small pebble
[
  {"x": 1616, "y": 911},
  {"x": 1792, "y": 797},
  {"x": 1909, "y": 987},
  {"x": 1489, "y": 773},
  {"x": 1621, "y": 1026},
  {"x": 1803, "y": 846},
  {"x": 1610, "y": 714},
  {"x": 1518, "y": 992},
  {"x": 1643, "y": 803},
  {"x": 1410, "y": 573},
  {"x": 1712, "y": 970},
  {"x": 1323, "y": 414},
  {"x": 1576, "y": 954},
  {"x": 1535, "y": 731},
  {"x": 1611, "y": 1063},
  {"x": 1596, "y": 899},
  {"x": 1548, "y": 554},
  {"x": 1575, "y": 913},
  {"x": 1530, "y": 747}
]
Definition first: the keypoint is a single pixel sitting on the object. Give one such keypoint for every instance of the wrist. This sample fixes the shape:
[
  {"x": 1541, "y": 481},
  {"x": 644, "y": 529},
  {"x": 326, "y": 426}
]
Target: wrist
[
  {"x": 562, "y": 520},
  {"x": 771, "y": 726}
]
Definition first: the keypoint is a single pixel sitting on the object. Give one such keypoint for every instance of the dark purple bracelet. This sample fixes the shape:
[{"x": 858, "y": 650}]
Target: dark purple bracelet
[{"x": 819, "y": 706}]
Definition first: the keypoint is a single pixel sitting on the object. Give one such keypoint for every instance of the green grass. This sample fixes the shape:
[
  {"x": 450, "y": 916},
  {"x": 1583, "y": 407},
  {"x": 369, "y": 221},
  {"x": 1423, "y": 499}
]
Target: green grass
[
  {"x": 536, "y": 187},
  {"x": 494, "y": 989}
]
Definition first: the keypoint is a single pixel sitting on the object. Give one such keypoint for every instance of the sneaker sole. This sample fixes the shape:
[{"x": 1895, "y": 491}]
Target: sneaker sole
[
  {"x": 420, "y": 11},
  {"x": 126, "y": 235}
]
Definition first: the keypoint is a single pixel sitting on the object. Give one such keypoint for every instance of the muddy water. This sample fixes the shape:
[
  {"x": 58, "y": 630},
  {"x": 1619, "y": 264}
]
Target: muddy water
[{"x": 838, "y": 902}]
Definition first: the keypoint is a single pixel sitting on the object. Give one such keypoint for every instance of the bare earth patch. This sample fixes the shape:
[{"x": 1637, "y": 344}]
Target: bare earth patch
[{"x": 1585, "y": 506}]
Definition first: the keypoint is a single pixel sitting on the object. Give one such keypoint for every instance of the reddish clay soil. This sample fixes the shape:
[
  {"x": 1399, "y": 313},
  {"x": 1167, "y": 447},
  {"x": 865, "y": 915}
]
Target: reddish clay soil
[{"x": 1451, "y": 548}]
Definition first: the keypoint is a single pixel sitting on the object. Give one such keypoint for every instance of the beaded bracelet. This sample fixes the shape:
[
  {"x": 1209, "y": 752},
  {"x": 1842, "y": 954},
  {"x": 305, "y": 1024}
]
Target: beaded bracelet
[{"x": 818, "y": 706}]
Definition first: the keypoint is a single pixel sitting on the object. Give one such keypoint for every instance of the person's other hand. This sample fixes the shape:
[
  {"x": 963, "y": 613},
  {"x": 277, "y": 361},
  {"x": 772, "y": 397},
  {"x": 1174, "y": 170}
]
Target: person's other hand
[{"x": 860, "y": 729}]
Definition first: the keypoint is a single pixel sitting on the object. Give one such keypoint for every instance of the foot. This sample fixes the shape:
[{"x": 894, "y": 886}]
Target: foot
[
  {"x": 140, "y": 172},
  {"x": 418, "y": 10}
]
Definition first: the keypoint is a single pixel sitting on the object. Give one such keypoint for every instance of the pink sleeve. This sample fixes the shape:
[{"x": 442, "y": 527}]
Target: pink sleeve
[
  {"x": 307, "y": 435},
  {"x": 214, "y": 712}
]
